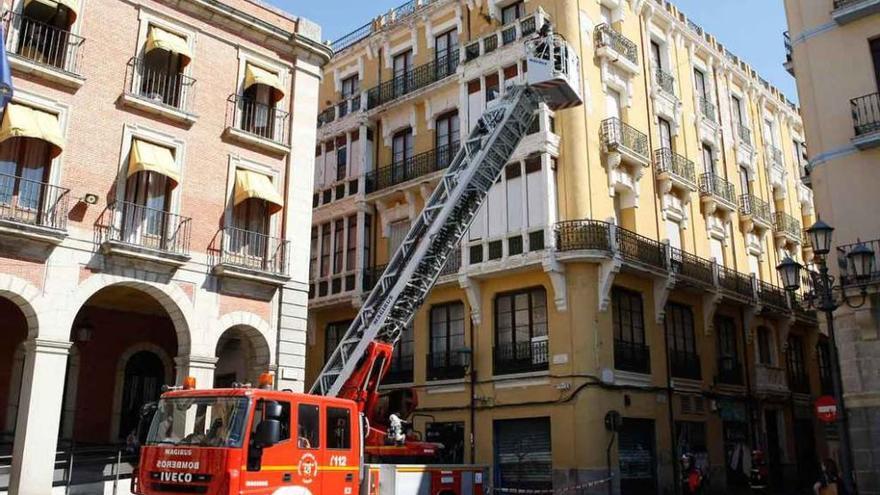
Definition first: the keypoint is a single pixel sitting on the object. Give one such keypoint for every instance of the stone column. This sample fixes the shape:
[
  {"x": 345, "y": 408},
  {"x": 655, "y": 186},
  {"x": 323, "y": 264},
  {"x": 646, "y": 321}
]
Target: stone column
[{"x": 39, "y": 414}]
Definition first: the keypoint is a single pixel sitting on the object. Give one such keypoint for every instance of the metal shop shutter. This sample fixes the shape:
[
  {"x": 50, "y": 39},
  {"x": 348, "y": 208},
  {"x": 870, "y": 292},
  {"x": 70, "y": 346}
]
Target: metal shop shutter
[{"x": 523, "y": 453}]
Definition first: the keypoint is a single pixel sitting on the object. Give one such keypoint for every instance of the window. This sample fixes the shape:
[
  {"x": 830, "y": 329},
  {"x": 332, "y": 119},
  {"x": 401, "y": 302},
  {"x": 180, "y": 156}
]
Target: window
[
  {"x": 700, "y": 84},
  {"x": 521, "y": 331},
  {"x": 492, "y": 89},
  {"x": 401, "y": 370},
  {"x": 399, "y": 231},
  {"x": 148, "y": 195},
  {"x": 325, "y": 249},
  {"x": 797, "y": 370},
  {"x": 338, "y": 428},
  {"x": 368, "y": 240},
  {"x": 655, "y": 56},
  {"x": 402, "y": 68},
  {"x": 341, "y": 157},
  {"x": 338, "y": 245},
  {"x": 765, "y": 346},
  {"x": 258, "y": 101},
  {"x": 260, "y": 415},
  {"x": 308, "y": 427},
  {"x": 165, "y": 56},
  {"x": 446, "y": 53},
  {"x": 351, "y": 252},
  {"x": 313, "y": 258},
  {"x": 333, "y": 336},
  {"x": 875, "y": 56},
  {"x": 630, "y": 350},
  {"x": 745, "y": 182},
  {"x": 24, "y": 171},
  {"x": 708, "y": 160},
  {"x": 665, "y": 133},
  {"x": 250, "y": 221},
  {"x": 681, "y": 341},
  {"x": 690, "y": 437},
  {"x": 447, "y": 341},
  {"x": 728, "y": 355},
  {"x": 350, "y": 86},
  {"x": 823, "y": 351},
  {"x": 447, "y": 130},
  {"x": 401, "y": 153},
  {"x": 737, "y": 111},
  {"x": 513, "y": 12}
]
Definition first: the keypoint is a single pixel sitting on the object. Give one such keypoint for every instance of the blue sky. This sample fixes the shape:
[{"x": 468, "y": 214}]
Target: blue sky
[{"x": 752, "y": 29}]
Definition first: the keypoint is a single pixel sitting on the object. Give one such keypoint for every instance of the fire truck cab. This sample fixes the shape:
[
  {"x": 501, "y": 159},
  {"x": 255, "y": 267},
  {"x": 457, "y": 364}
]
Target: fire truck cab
[{"x": 256, "y": 441}]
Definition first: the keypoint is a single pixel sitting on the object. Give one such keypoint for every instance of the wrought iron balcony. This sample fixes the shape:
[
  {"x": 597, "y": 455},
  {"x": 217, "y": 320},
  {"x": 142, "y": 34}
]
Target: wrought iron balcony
[
  {"x": 788, "y": 64},
  {"x": 846, "y": 11},
  {"x": 707, "y": 108},
  {"x": 744, "y": 133},
  {"x": 756, "y": 208},
  {"x": 665, "y": 81},
  {"x": 401, "y": 370},
  {"x": 410, "y": 168},
  {"x": 28, "y": 202},
  {"x": 866, "y": 114},
  {"x": 736, "y": 282},
  {"x": 413, "y": 80},
  {"x": 679, "y": 167},
  {"x": 773, "y": 296},
  {"x": 507, "y": 34},
  {"x": 685, "y": 364},
  {"x": 158, "y": 86},
  {"x": 787, "y": 225},
  {"x": 521, "y": 357},
  {"x": 716, "y": 186},
  {"x": 263, "y": 121},
  {"x": 639, "y": 249},
  {"x": 632, "y": 357},
  {"x": 341, "y": 109},
  {"x": 729, "y": 371},
  {"x": 770, "y": 379},
  {"x": 574, "y": 235},
  {"x": 136, "y": 225},
  {"x": 606, "y": 36},
  {"x": 692, "y": 268},
  {"x": 447, "y": 365},
  {"x": 43, "y": 44},
  {"x": 617, "y": 136},
  {"x": 240, "y": 248},
  {"x": 453, "y": 263},
  {"x": 395, "y": 15},
  {"x": 847, "y": 271}
]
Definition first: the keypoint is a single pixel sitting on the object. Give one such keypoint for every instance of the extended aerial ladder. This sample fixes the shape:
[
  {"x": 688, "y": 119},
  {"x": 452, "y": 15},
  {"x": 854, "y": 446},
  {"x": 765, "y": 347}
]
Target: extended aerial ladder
[{"x": 355, "y": 369}]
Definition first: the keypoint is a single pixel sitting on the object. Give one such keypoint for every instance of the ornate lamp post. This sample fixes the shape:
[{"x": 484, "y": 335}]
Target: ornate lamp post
[{"x": 827, "y": 298}]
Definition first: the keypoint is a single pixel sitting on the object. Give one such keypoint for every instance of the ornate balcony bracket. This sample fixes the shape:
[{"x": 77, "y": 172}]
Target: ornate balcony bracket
[
  {"x": 749, "y": 313},
  {"x": 473, "y": 291},
  {"x": 608, "y": 269},
  {"x": 556, "y": 271},
  {"x": 662, "y": 287},
  {"x": 710, "y": 303}
]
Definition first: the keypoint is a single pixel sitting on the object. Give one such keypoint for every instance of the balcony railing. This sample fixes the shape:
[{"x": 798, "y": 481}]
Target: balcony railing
[
  {"x": 786, "y": 40},
  {"x": 43, "y": 44},
  {"x": 453, "y": 263},
  {"x": 773, "y": 296},
  {"x": 730, "y": 371},
  {"x": 396, "y": 14},
  {"x": 31, "y": 202},
  {"x": 508, "y": 34},
  {"x": 345, "y": 107},
  {"x": 865, "y": 113},
  {"x": 847, "y": 271},
  {"x": 574, "y": 235},
  {"x": 447, "y": 365},
  {"x": 707, "y": 108},
  {"x": 692, "y": 268},
  {"x": 413, "y": 80},
  {"x": 787, "y": 224},
  {"x": 606, "y": 36},
  {"x": 744, "y": 133},
  {"x": 640, "y": 249},
  {"x": 715, "y": 185},
  {"x": 735, "y": 282},
  {"x": 259, "y": 119},
  {"x": 372, "y": 275},
  {"x": 401, "y": 370},
  {"x": 521, "y": 357},
  {"x": 665, "y": 81},
  {"x": 138, "y": 225},
  {"x": 632, "y": 357},
  {"x": 757, "y": 208},
  {"x": 770, "y": 379},
  {"x": 410, "y": 168},
  {"x": 253, "y": 250},
  {"x": 839, "y": 4},
  {"x": 618, "y": 136},
  {"x": 667, "y": 161},
  {"x": 159, "y": 86},
  {"x": 685, "y": 364}
]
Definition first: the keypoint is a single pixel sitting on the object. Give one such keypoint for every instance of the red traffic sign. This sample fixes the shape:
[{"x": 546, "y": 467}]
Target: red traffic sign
[{"x": 826, "y": 409}]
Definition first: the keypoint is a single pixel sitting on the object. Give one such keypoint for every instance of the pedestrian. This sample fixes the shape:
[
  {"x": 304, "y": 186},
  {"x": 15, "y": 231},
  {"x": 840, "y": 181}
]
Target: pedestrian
[
  {"x": 758, "y": 477},
  {"x": 827, "y": 483},
  {"x": 691, "y": 476}
]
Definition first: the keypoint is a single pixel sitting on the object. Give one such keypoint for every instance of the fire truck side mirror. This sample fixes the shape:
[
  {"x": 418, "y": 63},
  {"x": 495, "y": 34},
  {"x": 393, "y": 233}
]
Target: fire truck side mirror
[{"x": 268, "y": 433}]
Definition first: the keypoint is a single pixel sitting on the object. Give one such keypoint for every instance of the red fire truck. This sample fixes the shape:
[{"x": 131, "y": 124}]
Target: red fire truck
[{"x": 261, "y": 441}]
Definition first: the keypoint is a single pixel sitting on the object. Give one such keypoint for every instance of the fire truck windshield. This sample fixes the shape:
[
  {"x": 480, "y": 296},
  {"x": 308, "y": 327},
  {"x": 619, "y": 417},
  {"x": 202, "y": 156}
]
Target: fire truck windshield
[{"x": 202, "y": 421}]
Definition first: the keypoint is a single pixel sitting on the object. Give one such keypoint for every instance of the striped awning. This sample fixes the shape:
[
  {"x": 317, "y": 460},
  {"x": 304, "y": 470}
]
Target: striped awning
[
  {"x": 159, "y": 38},
  {"x": 258, "y": 75},
  {"x": 254, "y": 185},
  {"x": 20, "y": 121},
  {"x": 72, "y": 7},
  {"x": 149, "y": 157}
]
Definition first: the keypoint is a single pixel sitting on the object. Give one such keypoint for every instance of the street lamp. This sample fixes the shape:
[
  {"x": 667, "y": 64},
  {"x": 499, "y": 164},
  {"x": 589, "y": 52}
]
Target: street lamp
[{"x": 827, "y": 298}]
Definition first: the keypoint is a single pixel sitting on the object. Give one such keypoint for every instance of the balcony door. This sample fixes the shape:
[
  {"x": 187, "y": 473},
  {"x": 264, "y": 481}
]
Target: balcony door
[
  {"x": 665, "y": 134},
  {"x": 513, "y": 12},
  {"x": 745, "y": 183},
  {"x": 258, "y": 111},
  {"x": 612, "y": 103},
  {"x": 709, "y": 164},
  {"x": 447, "y": 130},
  {"x": 728, "y": 354},
  {"x": 145, "y": 214},
  {"x": 875, "y": 57},
  {"x": 160, "y": 77},
  {"x": 700, "y": 84},
  {"x": 446, "y": 360},
  {"x": 249, "y": 235},
  {"x": 43, "y": 32},
  {"x": 402, "y": 68},
  {"x": 402, "y": 152},
  {"x": 24, "y": 172},
  {"x": 446, "y": 53}
]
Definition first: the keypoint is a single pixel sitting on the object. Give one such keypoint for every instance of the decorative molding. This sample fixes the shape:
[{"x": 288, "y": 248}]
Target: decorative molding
[{"x": 556, "y": 272}]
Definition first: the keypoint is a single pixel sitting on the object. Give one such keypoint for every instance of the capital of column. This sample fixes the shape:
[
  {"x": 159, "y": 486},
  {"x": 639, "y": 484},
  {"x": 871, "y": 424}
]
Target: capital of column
[
  {"x": 47, "y": 346},
  {"x": 196, "y": 362}
]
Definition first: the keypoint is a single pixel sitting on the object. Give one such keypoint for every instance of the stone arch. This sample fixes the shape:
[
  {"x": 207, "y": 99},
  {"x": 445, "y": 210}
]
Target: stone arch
[
  {"x": 171, "y": 297},
  {"x": 255, "y": 331},
  {"x": 27, "y": 297},
  {"x": 167, "y": 363}
]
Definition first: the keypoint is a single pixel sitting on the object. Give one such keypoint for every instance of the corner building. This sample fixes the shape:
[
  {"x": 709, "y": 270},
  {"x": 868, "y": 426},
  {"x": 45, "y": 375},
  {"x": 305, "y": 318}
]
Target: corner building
[
  {"x": 155, "y": 166},
  {"x": 833, "y": 53},
  {"x": 623, "y": 262}
]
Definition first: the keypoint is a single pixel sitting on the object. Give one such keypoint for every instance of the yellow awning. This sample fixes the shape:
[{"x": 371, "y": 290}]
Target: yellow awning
[
  {"x": 149, "y": 157},
  {"x": 72, "y": 7},
  {"x": 166, "y": 40},
  {"x": 258, "y": 75},
  {"x": 25, "y": 122},
  {"x": 258, "y": 186}
]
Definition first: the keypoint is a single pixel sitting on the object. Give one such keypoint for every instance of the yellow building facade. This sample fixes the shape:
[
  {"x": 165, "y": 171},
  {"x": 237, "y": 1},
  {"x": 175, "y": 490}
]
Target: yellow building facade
[
  {"x": 622, "y": 266},
  {"x": 834, "y": 54}
]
